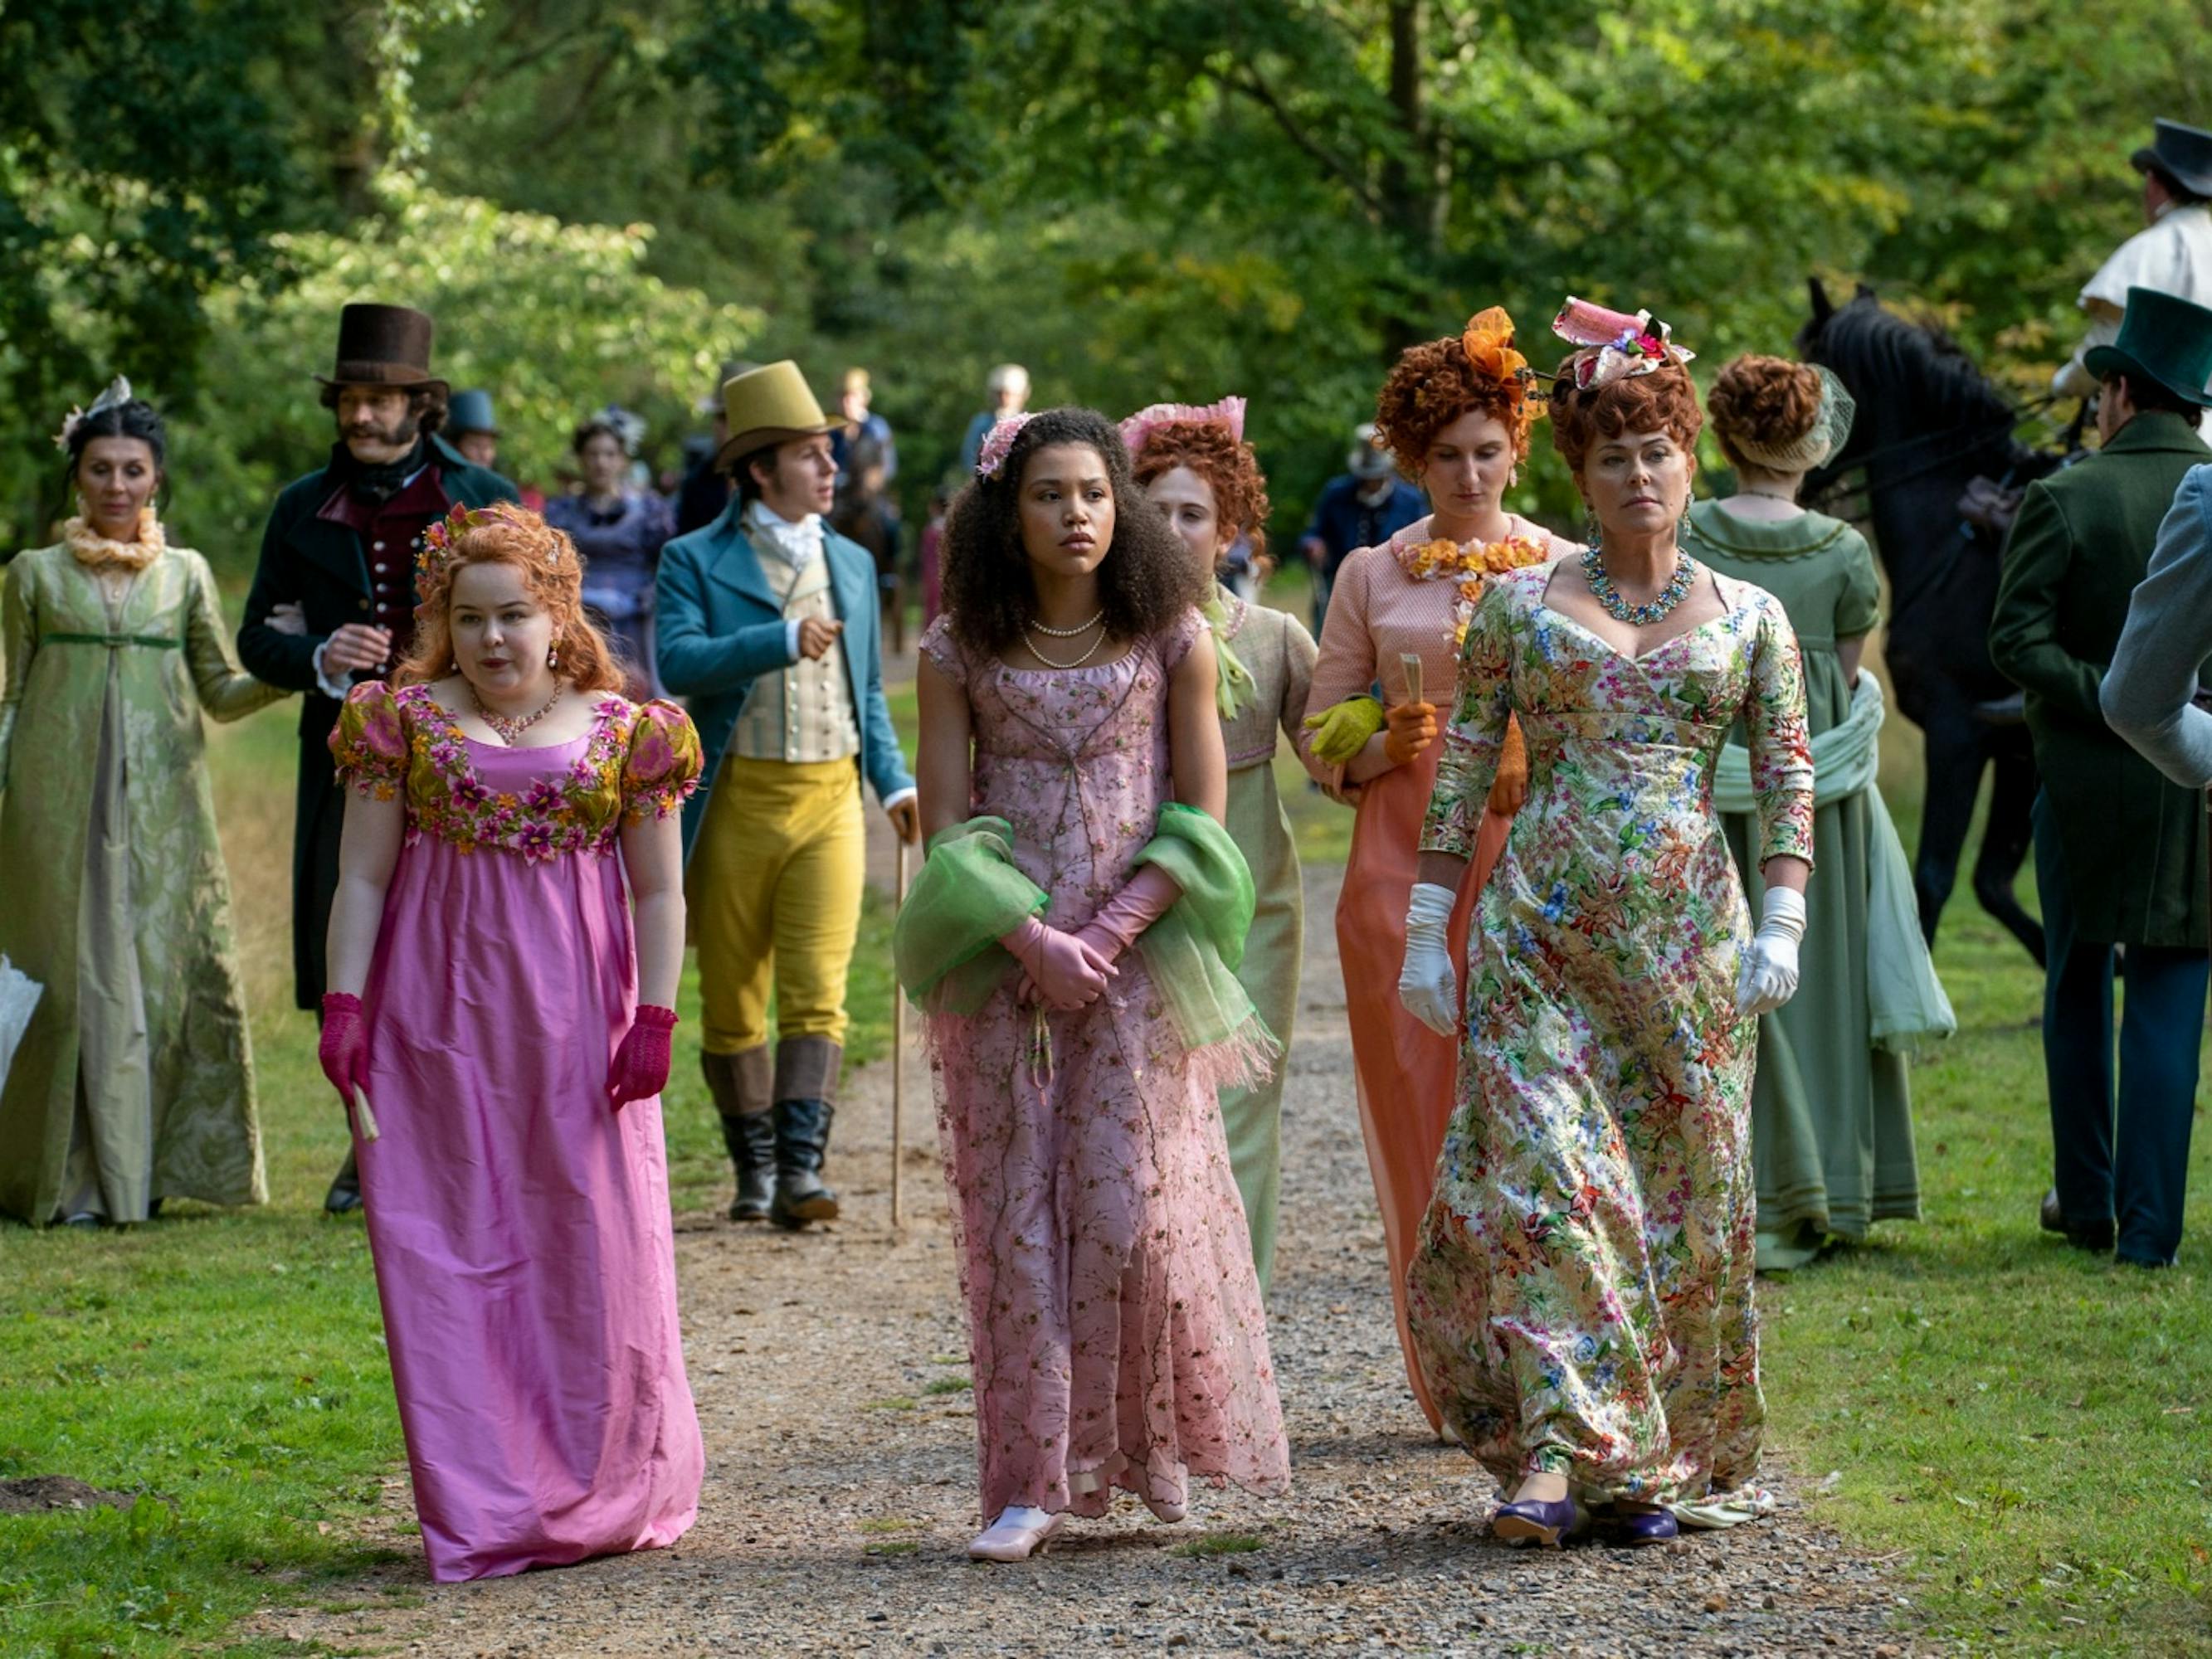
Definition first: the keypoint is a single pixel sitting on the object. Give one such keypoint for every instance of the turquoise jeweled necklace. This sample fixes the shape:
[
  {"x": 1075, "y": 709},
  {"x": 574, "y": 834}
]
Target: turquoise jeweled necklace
[{"x": 1656, "y": 608}]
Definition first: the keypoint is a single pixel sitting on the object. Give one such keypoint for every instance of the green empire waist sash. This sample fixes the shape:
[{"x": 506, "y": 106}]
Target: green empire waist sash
[{"x": 154, "y": 641}]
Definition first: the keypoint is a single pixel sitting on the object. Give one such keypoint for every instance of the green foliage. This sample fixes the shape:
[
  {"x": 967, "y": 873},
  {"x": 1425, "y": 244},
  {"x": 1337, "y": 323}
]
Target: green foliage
[{"x": 523, "y": 303}]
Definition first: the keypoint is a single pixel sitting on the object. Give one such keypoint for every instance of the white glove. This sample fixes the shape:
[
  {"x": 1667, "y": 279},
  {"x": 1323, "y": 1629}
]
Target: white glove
[
  {"x": 1768, "y": 977},
  {"x": 1426, "y": 984}
]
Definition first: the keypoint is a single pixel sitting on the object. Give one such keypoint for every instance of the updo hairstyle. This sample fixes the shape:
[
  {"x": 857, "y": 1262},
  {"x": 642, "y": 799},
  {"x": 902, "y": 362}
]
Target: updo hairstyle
[
  {"x": 1433, "y": 385},
  {"x": 1765, "y": 403},
  {"x": 132, "y": 418},
  {"x": 1666, "y": 400},
  {"x": 552, "y": 574},
  {"x": 1227, "y": 463}
]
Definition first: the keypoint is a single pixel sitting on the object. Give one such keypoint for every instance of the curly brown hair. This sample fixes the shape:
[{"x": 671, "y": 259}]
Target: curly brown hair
[
  {"x": 1433, "y": 385},
  {"x": 1145, "y": 580},
  {"x": 1665, "y": 400},
  {"x": 1769, "y": 402},
  {"x": 552, "y": 574},
  {"x": 1227, "y": 463}
]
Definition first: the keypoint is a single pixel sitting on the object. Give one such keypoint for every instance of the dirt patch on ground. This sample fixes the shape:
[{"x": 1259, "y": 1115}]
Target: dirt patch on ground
[
  {"x": 831, "y": 1376},
  {"x": 40, "y": 1492}
]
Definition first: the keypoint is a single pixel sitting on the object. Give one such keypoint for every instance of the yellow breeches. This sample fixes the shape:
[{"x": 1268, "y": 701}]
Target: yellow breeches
[{"x": 774, "y": 892}]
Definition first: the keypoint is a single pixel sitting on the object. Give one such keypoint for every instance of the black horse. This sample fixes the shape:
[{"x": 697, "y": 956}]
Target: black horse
[{"x": 1927, "y": 424}]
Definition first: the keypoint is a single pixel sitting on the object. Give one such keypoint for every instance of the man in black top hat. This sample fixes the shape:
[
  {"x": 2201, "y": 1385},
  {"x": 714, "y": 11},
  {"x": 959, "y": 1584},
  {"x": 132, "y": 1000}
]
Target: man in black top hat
[
  {"x": 340, "y": 545},
  {"x": 2120, "y": 851},
  {"x": 2173, "y": 254}
]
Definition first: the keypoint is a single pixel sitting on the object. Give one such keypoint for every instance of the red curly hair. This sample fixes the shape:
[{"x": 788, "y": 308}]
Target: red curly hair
[
  {"x": 1665, "y": 400},
  {"x": 1769, "y": 402},
  {"x": 1227, "y": 463},
  {"x": 552, "y": 574},
  {"x": 1433, "y": 385}
]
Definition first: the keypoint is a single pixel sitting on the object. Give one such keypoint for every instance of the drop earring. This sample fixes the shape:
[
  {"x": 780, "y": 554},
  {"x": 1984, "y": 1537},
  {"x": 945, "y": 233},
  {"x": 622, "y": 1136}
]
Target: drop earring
[{"x": 553, "y": 655}]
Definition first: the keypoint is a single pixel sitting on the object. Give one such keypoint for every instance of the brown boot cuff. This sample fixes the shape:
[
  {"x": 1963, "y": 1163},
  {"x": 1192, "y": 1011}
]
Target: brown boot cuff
[
  {"x": 806, "y": 1068},
  {"x": 740, "y": 1081}
]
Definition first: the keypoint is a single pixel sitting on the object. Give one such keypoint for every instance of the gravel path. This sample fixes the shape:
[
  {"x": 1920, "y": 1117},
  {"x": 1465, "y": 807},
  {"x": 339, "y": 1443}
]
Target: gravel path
[{"x": 830, "y": 1372}]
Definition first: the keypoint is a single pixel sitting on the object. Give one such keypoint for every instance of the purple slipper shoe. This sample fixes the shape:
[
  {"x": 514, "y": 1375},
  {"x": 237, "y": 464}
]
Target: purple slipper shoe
[{"x": 1537, "y": 1522}]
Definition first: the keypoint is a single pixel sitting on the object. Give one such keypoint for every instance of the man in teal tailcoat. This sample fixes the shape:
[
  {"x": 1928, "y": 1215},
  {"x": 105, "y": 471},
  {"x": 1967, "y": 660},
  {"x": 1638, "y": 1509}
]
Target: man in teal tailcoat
[
  {"x": 769, "y": 622},
  {"x": 2120, "y": 851}
]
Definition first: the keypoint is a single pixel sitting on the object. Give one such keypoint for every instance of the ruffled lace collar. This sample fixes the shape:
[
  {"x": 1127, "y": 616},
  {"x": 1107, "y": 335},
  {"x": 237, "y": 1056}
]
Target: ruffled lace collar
[{"x": 98, "y": 552}]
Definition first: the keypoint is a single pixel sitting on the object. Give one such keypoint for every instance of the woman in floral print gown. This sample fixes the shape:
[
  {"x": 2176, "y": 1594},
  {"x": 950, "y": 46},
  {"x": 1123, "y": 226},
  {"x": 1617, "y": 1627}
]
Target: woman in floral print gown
[
  {"x": 504, "y": 953},
  {"x": 1074, "y": 935},
  {"x": 1581, "y": 1297}
]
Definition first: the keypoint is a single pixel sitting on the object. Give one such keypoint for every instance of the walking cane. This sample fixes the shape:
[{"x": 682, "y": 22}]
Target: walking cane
[{"x": 898, "y": 1047}]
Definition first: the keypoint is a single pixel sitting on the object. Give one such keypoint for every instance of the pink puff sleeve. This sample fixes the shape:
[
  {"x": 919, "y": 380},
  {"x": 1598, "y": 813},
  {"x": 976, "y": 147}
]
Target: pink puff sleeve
[
  {"x": 370, "y": 741},
  {"x": 662, "y": 768},
  {"x": 943, "y": 652},
  {"x": 1176, "y": 640}
]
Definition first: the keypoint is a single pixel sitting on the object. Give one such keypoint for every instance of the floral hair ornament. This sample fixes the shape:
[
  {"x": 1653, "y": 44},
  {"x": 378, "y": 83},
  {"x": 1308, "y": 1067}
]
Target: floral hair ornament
[
  {"x": 998, "y": 444},
  {"x": 1488, "y": 342},
  {"x": 1137, "y": 430},
  {"x": 1620, "y": 344},
  {"x": 118, "y": 393},
  {"x": 436, "y": 551}
]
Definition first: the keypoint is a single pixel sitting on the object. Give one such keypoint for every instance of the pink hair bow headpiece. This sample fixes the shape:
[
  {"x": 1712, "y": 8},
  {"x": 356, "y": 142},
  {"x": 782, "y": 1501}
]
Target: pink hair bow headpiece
[
  {"x": 1137, "y": 430},
  {"x": 998, "y": 443},
  {"x": 1623, "y": 344}
]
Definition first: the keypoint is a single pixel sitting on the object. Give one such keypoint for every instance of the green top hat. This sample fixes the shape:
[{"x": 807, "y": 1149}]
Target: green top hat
[
  {"x": 2163, "y": 338},
  {"x": 470, "y": 411},
  {"x": 769, "y": 405}
]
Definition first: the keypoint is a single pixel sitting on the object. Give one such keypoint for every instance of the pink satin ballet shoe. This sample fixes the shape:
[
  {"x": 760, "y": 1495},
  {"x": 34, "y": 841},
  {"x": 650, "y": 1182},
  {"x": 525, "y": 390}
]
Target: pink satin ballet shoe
[
  {"x": 1016, "y": 1541},
  {"x": 1169, "y": 1510}
]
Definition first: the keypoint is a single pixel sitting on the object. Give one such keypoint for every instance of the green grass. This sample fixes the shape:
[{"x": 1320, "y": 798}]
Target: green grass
[
  {"x": 949, "y": 1385},
  {"x": 1220, "y": 1543},
  {"x": 2027, "y": 1422}
]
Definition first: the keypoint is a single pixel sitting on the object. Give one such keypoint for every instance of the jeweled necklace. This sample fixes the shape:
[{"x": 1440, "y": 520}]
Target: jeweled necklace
[
  {"x": 511, "y": 727},
  {"x": 1067, "y": 634},
  {"x": 1654, "y": 610}
]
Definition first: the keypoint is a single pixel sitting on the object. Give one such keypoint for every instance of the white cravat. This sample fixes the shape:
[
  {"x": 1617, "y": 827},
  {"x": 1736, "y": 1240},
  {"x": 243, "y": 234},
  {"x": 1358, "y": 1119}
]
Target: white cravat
[{"x": 796, "y": 544}]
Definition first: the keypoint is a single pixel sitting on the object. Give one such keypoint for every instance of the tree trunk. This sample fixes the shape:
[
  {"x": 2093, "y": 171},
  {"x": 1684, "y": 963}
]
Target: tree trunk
[{"x": 1416, "y": 181}]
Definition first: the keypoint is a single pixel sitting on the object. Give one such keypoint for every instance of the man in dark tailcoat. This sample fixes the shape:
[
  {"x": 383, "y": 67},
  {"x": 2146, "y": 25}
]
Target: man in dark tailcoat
[
  {"x": 340, "y": 545},
  {"x": 2120, "y": 852}
]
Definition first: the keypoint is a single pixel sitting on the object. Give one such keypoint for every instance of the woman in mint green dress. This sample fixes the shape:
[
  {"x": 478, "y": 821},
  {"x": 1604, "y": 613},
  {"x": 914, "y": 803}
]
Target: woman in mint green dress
[{"x": 1832, "y": 1105}]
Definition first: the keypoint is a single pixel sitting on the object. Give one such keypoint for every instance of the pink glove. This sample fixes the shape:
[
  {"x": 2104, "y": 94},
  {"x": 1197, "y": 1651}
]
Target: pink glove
[
  {"x": 343, "y": 1050},
  {"x": 1144, "y": 899},
  {"x": 641, "y": 1064},
  {"x": 1060, "y": 968}
]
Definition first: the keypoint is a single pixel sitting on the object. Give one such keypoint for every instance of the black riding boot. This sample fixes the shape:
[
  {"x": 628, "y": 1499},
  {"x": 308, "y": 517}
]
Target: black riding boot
[
  {"x": 806, "y": 1077},
  {"x": 740, "y": 1086},
  {"x": 344, "y": 1195}
]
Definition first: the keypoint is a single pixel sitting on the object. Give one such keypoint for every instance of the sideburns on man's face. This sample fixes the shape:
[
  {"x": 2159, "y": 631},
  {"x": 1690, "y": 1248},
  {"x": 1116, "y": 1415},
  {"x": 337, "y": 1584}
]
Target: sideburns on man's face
[{"x": 378, "y": 424}]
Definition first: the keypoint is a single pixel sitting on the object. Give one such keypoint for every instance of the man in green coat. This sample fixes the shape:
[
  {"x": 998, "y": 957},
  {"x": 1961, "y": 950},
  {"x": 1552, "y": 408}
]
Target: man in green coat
[{"x": 2120, "y": 853}]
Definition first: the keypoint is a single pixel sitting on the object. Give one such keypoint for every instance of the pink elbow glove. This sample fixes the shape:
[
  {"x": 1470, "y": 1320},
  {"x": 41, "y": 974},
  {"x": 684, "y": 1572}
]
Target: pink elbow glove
[
  {"x": 640, "y": 1070},
  {"x": 1144, "y": 899},
  {"x": 1067, "y": 973}
]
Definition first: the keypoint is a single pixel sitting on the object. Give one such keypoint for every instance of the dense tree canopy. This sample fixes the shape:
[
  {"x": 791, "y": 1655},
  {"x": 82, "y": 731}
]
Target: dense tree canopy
[{"x": 1161, "y": 197}]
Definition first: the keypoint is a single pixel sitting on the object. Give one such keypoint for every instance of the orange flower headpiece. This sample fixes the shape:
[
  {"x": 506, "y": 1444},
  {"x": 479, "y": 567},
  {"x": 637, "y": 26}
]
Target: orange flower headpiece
[{"x": 1488, "y": 342}]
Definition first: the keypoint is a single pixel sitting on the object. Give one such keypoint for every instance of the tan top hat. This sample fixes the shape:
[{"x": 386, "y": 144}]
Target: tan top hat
[{"x": 765, "y": 406}]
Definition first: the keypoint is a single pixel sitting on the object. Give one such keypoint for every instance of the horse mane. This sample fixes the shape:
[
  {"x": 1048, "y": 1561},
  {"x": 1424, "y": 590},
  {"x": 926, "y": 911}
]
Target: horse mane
[{"x": 1867, "y": 345}]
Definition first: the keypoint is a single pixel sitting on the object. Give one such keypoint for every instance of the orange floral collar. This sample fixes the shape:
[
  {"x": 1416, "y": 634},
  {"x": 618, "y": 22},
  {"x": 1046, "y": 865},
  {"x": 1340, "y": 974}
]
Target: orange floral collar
[{"x": 1468, "y": 563}]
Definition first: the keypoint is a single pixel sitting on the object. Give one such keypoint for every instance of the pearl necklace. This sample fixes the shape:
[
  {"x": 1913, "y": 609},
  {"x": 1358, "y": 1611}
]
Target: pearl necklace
[
  {"x": 1653, "y": 611},
  {"x": 511, "y": 727},
  {"x": 1068, "y": 634},
  {"x": 1076, "y": 632}
]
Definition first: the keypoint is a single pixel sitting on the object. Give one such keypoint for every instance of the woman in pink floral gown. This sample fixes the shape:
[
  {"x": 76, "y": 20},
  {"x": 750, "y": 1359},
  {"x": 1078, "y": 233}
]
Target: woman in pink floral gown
[
  {"x": 1580, "y": 1296},
  {"x": 1068, "y": 734},
  {"x": 504, "y": 952}
]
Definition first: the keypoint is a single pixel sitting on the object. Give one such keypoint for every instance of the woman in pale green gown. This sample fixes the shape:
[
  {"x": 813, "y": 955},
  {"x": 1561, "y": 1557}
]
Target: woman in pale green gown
[
  {"x": 134, "y": 1083},
  {"x": 1832, "y": 1103},
  {"x": 1194, "y": 464}
]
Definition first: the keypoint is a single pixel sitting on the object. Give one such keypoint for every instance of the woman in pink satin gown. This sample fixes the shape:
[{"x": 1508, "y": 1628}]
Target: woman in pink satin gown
[
  {"x": 1455, "y": 414},
  {"x": 504, "y": 954}
]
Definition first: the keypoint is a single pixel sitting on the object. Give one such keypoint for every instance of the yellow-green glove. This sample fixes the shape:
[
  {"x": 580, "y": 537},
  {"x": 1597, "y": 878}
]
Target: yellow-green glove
[{"x": 1342, "y": 731}]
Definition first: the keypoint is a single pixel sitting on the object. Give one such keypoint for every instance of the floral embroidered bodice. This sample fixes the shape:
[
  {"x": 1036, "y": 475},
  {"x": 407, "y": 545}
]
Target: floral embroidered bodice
[{"x": 575, "y": 796}]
